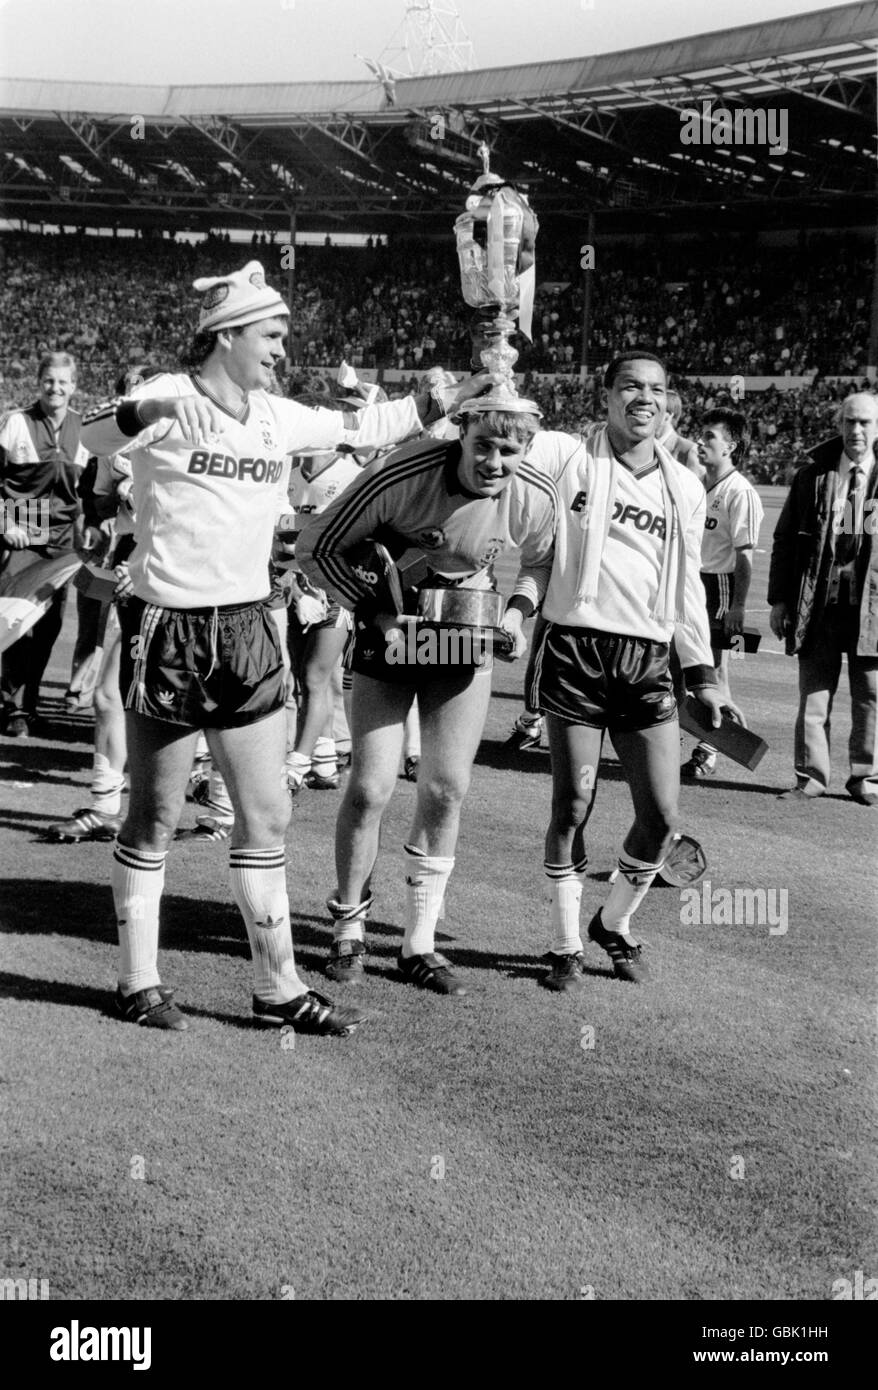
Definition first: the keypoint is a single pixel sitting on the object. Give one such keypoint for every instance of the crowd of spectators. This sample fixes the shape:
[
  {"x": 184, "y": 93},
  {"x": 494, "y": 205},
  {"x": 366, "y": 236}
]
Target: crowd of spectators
[{"x": 709, "y": 307}]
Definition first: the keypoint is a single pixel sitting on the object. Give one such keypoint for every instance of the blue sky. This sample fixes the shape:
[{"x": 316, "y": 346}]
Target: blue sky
[{"x": 228, "y": 41}]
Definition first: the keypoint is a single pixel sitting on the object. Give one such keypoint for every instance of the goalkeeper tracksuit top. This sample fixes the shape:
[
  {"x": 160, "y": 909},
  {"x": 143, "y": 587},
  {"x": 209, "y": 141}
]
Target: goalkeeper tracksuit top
[{"x": 414, "y": 499}]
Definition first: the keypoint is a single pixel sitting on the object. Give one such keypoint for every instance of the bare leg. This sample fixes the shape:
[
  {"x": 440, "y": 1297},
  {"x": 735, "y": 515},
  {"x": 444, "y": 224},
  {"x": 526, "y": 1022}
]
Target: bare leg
[
  {"x": 324, "y": 647},
  {"x": 159, "y": 760},
  {"x": 452, "y": 714},
  {"x": 651, "y": 763},
  {"x": 250, "y": 761},
  {"x": 575, "y": 751},
  {"x": 378, "y": 711},
  {"x": 110, "y": 741}
]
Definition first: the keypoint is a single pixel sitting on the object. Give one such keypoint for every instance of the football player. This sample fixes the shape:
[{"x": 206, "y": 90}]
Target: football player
[
  {"x": 625, "y": 579},
  {"x": 461, "y": 502},
  {"x": 731, "y": 534},
  {"x": 209, "y": 451}
]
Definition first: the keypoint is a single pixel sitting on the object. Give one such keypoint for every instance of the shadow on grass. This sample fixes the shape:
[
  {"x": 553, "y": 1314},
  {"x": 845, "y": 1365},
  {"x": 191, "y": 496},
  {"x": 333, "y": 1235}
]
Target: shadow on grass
[
  {"x": 55, "y": 992},
  {"x": 724, "y": 785},
  {"x": 501, "y": 756},
  {"x": 100, "y": 1001},
  {"x": 25, "y": 761},
  {"x": 85, "y": 910}
]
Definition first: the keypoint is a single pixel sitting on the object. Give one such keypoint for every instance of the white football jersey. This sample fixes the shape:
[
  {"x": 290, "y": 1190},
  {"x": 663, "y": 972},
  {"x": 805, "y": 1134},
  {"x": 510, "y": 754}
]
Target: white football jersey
[
  {"x": 631, "y": 561},
  {"x": 206, "y": 512},
  {"x": 309, "y": 493},
  {"x": 732, "y": 521}
]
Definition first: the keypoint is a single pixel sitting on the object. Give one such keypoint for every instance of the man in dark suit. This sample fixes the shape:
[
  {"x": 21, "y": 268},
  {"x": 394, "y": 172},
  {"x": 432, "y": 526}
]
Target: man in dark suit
[{"x": 823, "y": 588}]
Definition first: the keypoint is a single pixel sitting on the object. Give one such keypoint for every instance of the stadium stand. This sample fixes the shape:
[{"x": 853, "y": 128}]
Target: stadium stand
[{"x": 710, "y": 308}]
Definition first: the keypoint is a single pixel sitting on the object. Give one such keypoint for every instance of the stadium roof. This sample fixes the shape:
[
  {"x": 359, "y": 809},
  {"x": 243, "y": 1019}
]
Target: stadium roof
[{"x": 601, "y": 133}]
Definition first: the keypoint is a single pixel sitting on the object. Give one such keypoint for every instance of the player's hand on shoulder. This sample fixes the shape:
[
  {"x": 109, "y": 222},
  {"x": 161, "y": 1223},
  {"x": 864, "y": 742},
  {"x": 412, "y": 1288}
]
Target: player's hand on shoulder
[{"x": 198, "y": 418}]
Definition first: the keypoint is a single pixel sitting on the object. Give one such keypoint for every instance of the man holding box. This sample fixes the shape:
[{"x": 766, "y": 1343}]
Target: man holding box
[{"x": 624, "y": 581}]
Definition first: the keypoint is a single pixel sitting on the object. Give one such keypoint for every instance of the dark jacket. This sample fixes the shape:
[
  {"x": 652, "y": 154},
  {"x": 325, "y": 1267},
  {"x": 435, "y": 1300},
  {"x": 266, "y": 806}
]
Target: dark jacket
[{"x": 801, "y": 556}]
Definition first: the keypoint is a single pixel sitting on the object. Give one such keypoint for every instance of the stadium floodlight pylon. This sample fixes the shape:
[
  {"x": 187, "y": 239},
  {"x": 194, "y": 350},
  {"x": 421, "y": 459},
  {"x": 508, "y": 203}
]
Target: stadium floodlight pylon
[{"x": 431, "y": 39}]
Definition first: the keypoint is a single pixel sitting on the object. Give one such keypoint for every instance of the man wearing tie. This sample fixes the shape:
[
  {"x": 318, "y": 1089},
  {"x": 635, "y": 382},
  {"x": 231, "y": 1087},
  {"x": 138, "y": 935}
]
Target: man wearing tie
[{"x": 823, "y": 588}]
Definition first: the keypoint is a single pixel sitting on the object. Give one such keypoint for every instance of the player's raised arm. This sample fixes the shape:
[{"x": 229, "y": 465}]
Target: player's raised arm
[{"x": 375, "y": 426}]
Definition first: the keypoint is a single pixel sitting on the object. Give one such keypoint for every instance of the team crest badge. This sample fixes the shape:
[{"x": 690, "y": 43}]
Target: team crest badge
[
  {"x": 258, "y": 279},
  {"x": 495, "y": 545},
  {"x": 433, "y": 538}
]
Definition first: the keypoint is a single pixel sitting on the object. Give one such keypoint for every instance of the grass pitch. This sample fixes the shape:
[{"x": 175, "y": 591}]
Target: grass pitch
[{"x": 702, "y": 1137}]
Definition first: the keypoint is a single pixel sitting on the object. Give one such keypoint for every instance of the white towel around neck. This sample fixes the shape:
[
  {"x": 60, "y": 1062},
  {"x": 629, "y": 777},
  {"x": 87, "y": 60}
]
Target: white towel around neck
[{"x": 597, "y": 478}]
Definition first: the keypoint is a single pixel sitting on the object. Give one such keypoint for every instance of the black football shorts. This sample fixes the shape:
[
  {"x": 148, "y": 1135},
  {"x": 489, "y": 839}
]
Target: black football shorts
[
  {"x": 205, "y": 668},
  {"x": 601, "y": 679}
]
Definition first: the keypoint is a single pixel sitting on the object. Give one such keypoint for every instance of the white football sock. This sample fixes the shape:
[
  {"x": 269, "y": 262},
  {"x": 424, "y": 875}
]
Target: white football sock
[
  {"x": 426, "y": 877},
  {"x": 566, "y": 882},
  {"x": 259, "y": 887},
  {"x": 137, "y": 878},
  {"x": 297, "y": 765},
  {"x": 628, "y": 892},
  {"x": 411, "y": 734},
  {"x": 221, "y": 802},
  {"x": 349, "y": 919},
  {"x": 106, "y": 786},
  {"x": 323, "y": 759}
]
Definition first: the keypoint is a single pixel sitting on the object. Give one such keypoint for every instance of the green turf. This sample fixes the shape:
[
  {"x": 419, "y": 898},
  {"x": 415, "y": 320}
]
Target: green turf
[{"x": 712, "y": 1143}]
